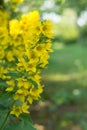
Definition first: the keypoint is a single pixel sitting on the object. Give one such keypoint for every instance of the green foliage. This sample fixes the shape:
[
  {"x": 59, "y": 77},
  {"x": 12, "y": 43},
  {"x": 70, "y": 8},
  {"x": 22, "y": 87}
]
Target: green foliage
[
  {"x": 14, "y": 74},
  {"x": 67, "y": 30},
  {"x": 64, "y": 61},
  {"x": 67, "y": 33},
  {"x": 3, "y": 114},
  {"x": 33, "y": 5},
  {"x": 77, "y": 5},
  {"x": 66, "y": 79},
  {"x": 24, "y": 123},
  {"x": 4, "y": 97},
  {"x": 33, "y": 82},
  {"x": 83, "y": 31}
]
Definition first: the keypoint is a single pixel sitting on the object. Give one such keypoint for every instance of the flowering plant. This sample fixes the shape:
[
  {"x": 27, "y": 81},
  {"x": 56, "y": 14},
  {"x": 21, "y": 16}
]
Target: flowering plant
[{"x": 25, "y": 44}]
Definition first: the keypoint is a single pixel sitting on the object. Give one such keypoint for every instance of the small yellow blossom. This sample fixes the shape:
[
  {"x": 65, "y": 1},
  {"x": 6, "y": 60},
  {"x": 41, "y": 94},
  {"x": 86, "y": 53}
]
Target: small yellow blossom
[
  {"x": 16, "y": 111},
  {"x": 47, "y": 29},
  {"x": 20, "y": 94},
  {"x": 10, "y": 56},
  {"x": 25, "y": 107},
  {"x": 11, "y": 84},
  {"x": 3, "y": 71},
  {"x": 14, "y": 27},
  {"x": 31, "y": 17}
]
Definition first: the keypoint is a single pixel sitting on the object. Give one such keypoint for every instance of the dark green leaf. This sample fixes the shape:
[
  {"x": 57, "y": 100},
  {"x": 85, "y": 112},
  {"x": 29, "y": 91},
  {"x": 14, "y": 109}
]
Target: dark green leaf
[
  {"x": 4, "y": 97},
  {"x": 14, "y": 74},
  {"x": 33, "y": 82},
  {"x": 3, "y": 115},
  {"x": 6, "y": 100},
  {"x": 24, "y": 124},
  {"x": 18, "y": 103},
  {"x": 26, "y": 117},
  {"x": 3, "y": 83}
]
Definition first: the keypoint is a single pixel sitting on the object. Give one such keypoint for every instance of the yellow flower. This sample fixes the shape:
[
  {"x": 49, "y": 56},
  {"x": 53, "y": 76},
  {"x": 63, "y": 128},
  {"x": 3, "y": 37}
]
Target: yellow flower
[
  {"x": 23, "y": 83},
  {"x": 28, "y": 66},
  {"x": 48, "y": 46},
  {"x": 20, "y": 94},
  {"x": 10, "y": 56},
  {"x": 44, "y": 59},
  {"x": 11, "y": 84},
  {"x": 40, "y": 49},
  {"x": 36, "y": 78},
  {"x": 16, "y": 111},
  {"x": 38, "y": 28},
  {"x": 25, "y": 108},
  {"x": 14, "y": 27},
  {"x": 30, "y": 99},
  {"x": 34, "y": 94},
  {"x": 32, "y": 55},
  {"x": 31, "y": 17},
  {"x": 47, "y": 29},
  {"x": 31, "y": 66},
  {"x": 3, "y": 71}
]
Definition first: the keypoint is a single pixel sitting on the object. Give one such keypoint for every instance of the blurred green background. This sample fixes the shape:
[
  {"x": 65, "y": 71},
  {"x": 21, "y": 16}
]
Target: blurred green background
[{"x": 64, "y": 101}]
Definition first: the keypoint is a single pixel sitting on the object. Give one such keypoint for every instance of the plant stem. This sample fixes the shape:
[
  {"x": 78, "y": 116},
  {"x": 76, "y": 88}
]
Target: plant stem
[{"x": 3, "y": 124}]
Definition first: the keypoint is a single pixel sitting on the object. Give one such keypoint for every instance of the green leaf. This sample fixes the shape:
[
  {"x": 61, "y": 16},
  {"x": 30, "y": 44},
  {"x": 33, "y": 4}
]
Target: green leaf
[
  {"x": 33, "y": 82},
  {"x": 3, "y": 115},
  {"x": 26, "y": 117},
  {"x": 14, "y": 74},
  {"x": 2, "y": 107},
  {"x": 18, "y": 103},
  {"x": 4, "y": 97},
  {"x": 3, "y": 86},
  {"x": 24, "y": 124},
  {"x": 3, "y": 83},
  {"x": 5, "y": 100}
]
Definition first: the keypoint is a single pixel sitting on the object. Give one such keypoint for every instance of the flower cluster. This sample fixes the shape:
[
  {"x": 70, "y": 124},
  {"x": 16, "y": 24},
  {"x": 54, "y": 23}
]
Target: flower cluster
[
  {"x": 25, "y": 44},
  {"x": 17, "y": 1}
]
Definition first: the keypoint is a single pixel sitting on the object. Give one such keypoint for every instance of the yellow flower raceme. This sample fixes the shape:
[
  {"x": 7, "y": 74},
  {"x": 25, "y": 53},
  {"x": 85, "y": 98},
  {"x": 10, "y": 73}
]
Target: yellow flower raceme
[{"x": 26, "y": 45}]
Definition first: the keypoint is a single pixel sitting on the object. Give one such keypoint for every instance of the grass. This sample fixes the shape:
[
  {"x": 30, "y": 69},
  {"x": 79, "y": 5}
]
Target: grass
[
  {"x": 67, "y": 60},
  {"x": 67, "y": 70},
  {"x": 66, "y": 85}
]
